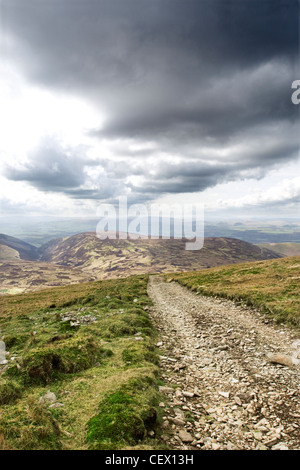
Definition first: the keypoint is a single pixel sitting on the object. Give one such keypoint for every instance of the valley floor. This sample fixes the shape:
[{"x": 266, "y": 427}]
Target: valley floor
[{"x": 223, "y": 389}]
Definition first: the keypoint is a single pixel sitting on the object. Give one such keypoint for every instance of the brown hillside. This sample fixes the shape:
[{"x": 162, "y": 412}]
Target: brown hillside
[
  {"x": 119, "y": 258},
  {"x": 18, "y": 276}
]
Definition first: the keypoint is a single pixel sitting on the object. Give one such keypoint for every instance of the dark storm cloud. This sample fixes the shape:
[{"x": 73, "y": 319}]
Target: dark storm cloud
[
  {"x": 93, "y": 42},
  {"x": 50, "y": 168},
  {"x": 219, "y": 108},
  {"x": 190, "y": 76}
]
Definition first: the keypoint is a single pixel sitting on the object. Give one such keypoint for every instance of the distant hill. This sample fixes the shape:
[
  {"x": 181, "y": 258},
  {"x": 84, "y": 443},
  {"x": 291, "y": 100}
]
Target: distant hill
[
  {"x": 13, "y": 248},
  {"x": 118, "y": 258},
  {"x": 84, "y": 257},
  {"x": 284, "y": 249}
]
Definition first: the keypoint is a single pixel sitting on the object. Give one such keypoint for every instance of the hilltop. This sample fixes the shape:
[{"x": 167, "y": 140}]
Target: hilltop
[
  {"x": 85, "y": 257},
  {"x": 119, "y": 258}
]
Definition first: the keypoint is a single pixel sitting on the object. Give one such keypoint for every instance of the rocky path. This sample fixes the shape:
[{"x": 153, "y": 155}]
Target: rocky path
[{"x": 226, "y": 384}]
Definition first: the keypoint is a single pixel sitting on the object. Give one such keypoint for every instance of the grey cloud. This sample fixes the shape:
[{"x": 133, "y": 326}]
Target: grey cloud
[
  {"x": 50, "y": 168},
  {"x": 134, "y": 36},
  {"x": 108, "y": 188},
  {"x": 216, "y": 109},
  {"x": 193, "y": 77},
  {"x": 135, "y": 54}
]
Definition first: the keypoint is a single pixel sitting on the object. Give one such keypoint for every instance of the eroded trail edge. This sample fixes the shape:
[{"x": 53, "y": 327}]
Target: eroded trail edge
[{"x": 222, "y": 391}]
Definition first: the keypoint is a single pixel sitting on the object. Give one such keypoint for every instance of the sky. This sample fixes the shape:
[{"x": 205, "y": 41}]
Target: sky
[{"x": 174, "y": 101}]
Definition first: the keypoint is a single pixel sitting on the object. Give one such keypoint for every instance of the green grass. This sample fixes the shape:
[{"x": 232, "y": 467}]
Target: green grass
[
  {"x": 89, "y": 366},
  {"x": 124, "y": 416},
  {"x": 271, "y": 286}
]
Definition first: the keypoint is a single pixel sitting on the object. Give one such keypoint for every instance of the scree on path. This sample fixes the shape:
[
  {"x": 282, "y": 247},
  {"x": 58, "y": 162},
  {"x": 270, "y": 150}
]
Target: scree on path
[{"x": 224, "y": 390}]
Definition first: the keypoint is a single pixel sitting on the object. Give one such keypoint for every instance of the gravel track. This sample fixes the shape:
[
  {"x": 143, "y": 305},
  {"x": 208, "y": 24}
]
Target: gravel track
[{"x": 223, "y": 391}]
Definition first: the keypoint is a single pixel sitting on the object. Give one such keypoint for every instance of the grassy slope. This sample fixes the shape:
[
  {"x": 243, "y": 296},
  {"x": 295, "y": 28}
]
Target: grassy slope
[
  {"x": 103, "y": 375},
  {"x": 271, "y": 286}
]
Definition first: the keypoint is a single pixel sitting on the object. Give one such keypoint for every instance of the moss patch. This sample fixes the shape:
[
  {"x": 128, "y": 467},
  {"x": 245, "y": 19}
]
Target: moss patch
[{"x": 124, "y": 417}]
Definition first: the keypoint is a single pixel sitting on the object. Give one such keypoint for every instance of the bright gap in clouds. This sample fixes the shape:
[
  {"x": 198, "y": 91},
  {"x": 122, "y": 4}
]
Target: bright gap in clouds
[{"x": 28, "y": 114}]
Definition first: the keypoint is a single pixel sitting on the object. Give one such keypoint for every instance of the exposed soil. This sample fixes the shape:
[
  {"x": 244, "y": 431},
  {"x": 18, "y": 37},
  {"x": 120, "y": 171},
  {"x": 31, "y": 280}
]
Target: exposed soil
[{"x": 223, "y": 389}]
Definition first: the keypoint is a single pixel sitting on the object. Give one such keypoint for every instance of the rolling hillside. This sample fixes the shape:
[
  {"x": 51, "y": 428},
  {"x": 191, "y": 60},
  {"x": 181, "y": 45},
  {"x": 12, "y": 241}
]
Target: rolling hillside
[
  {"x": 119, "y": 258},
  {"x": 84, "y": 257},
  {"x": 13, "y": 248},
  {"x": 91, "y": 345}
]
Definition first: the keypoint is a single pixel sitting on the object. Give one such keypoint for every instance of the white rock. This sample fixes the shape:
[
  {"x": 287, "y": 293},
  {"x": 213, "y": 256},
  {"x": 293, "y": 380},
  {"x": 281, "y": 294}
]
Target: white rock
[
  {"x": 164, "y": 389},
  {"x": 215, "y": 446},
  {"x": 296, "y": 344},
  {"x": 224, "y": 394},
  {"x": 49, "y": 397}
]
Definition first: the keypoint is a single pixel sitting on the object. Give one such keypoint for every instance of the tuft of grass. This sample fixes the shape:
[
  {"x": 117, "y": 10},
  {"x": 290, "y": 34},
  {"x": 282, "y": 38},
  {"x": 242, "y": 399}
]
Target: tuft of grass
[
  {"x": 139, "y": 353},
  {"x": 10, "y": 391},
  {"x": 67, "y": 356},
  {"x": 33, "y": 428},
  {"x": 3, "y": 444},
  {"x": 125, "y": 416}
]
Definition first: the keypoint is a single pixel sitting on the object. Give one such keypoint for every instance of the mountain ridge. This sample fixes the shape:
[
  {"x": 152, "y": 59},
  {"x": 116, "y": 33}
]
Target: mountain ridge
[{"x": 84, "y": 257}]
